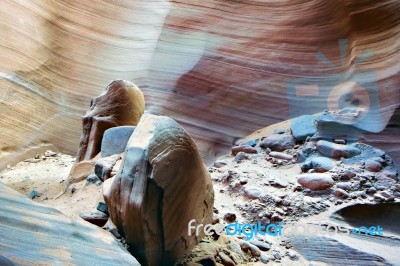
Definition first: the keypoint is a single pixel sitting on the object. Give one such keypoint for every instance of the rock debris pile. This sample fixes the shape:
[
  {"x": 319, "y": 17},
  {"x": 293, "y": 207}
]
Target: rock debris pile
[{"x": 287, "y": 177}]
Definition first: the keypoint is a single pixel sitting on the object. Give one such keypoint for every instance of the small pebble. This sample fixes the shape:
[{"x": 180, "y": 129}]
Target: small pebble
[
  {"x": 340, "y": 193},
  {"x": 277, "y": 255},
  {"x": 264, "y": 257},
  {"x": 50, "y": 153},
  {"x": 230, "y": 217},
  {"x": 33, "y": 194}
]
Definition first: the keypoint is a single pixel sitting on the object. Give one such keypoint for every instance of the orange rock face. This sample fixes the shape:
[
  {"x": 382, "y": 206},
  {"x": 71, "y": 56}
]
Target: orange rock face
[
  {"x": 120, "y": 104},
  {"x": 220, "y": 68}
]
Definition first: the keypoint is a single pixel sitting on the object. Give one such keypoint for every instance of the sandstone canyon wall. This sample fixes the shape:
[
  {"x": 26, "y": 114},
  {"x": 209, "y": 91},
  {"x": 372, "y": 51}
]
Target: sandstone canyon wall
[{"x": 220, "y": 68}]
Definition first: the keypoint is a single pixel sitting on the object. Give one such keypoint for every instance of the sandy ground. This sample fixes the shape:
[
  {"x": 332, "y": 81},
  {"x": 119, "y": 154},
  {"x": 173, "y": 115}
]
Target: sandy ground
[{"x": 47, "y": 176}]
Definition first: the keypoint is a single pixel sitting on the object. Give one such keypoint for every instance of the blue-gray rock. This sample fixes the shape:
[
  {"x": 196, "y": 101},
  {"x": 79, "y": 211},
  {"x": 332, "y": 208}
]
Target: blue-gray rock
[
  {"x": 252, "y": 192},
  {"x": 277, "y": 255},
  {"x": 93, "y": 179},
  {"x": 329, "y": 128},
  {"x": 391, "y": 173},
  {"x": 33, "y": 194},
  {"x": 103, "y": 167},
  {"x": 292, "y": 255},
  {"x": 33, "y": 233},
  {"x": 219, "y": 164},
  {"x": 240, "y": 156},
  {"x": 344, "y": 185},
  {"x": 303, "y": 127},
  {"x": 263, "y": 246},
  {"x": 367, "y": 152},
  {"x": 336, "y": 151},
  {"x": 278, "y": 142},
  {"x": 300, "y": 157},
  {"x": 307, "y": 150},
  {"x": 6, "y": 262},
  {"x": 279, "y": 131},
  {"x": 103, "y": 208},
  {"x": 115, "y": 140},
  {"x": 319, "y": 164},
  {"x": 252, "y": 142},
  {"x": 281, "y": 155},
  {"x": 264, "y": 257},
  {"x": 382, "y": 181}
]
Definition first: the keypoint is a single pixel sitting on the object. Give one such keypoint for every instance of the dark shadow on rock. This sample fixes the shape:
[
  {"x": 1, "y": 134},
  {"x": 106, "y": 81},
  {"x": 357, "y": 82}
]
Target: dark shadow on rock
[{"x": 386, "y": 215}]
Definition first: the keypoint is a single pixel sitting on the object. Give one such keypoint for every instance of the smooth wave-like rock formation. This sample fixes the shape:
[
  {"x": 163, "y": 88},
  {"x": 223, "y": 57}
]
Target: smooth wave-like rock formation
[
  {"x": 354, "y": 247},
  {"x": 222, "y": 69},
  {"x": 34, "y": 234}
]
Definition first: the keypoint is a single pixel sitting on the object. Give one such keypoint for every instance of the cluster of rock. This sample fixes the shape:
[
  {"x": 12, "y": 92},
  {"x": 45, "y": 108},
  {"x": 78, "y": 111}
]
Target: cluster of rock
[
  {"x": 344, "y": 167},
  {"x": 292, "y": 174},
  {"x": 349, "y": 169},
  {"x": 154, "y": 181}
]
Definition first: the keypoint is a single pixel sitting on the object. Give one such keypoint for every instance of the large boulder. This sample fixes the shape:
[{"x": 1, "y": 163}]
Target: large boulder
[
  {"x": 161, "y": 185},
  {"x": 303, "y": 127},
  {"x": 331, "y": 127},
  {"x": 120, "y": 104}
]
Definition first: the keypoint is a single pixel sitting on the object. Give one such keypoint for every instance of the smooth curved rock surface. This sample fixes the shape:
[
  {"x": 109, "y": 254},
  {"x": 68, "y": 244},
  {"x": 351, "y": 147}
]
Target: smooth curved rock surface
[
  {"x": 384, "y": 214},
  {"x": 120, "y": 104},
  {"x": 347, "y": 247},
  {"x": 161, "y": 185},
  {"x": 220, "y": 68},
  {"x": 34, "y": 234}
]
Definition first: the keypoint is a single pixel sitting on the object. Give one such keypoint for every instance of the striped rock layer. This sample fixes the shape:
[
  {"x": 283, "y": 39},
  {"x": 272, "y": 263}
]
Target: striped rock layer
[{"x": 222, "y": 69}]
